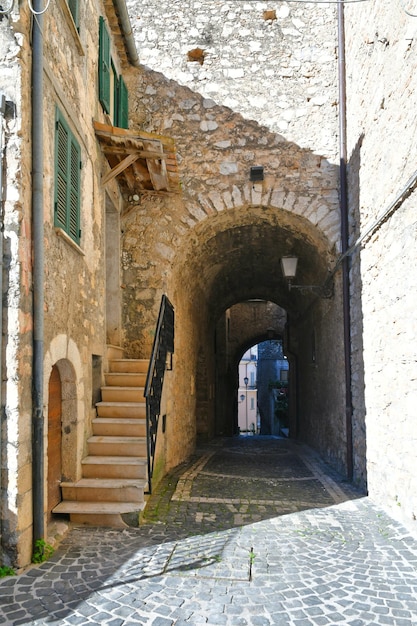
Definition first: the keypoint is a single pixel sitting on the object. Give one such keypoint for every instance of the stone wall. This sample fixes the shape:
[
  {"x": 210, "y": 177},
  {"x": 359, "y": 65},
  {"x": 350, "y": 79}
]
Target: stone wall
[
  {"x": 215, "y": 150},
  {"x": 316, "y": 340},
  {"x": 382, "y": 132},
  {"x": 273, "y": 62},
  {"x": 251, "y": 323}
]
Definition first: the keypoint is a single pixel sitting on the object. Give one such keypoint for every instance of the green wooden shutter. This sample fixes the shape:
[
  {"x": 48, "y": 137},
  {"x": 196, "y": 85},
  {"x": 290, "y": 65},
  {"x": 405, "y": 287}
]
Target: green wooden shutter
[
  {"x": 122, "y": 105},
  {"x": 67, "y": 180},
  {"x": 115, "y": 79},
  {"x": 61, "y": 175},
  {"x": 74, "y": 190},
  {"x": 73, "y": 7},
  {"x": 104, "y": 66}
]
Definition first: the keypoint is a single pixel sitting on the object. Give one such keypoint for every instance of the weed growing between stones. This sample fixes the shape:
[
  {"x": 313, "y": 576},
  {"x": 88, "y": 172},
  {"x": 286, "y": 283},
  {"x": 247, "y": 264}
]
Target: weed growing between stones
[
  {"x": 6, "y": 571},
  {"x": 251, "y": 560},
  {"x": 43, "y": 551}
]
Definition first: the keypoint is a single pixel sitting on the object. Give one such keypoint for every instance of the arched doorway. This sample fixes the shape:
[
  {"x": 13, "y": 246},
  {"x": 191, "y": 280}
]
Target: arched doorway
[{"x": 54, "y": 475}]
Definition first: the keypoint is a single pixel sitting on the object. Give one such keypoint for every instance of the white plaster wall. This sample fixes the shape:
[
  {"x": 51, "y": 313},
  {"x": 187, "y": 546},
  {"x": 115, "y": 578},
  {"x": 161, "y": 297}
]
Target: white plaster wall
[
  {"x": 382, "y": 133},
  {"x": 16, "y": 297}
]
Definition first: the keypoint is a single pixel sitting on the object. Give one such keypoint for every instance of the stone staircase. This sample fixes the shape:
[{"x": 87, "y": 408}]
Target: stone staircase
[{"x": 114, "y": 474}]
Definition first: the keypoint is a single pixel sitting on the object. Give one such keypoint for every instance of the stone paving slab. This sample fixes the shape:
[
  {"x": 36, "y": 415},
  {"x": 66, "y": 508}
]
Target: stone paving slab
[{"x": 240, "y": 560}]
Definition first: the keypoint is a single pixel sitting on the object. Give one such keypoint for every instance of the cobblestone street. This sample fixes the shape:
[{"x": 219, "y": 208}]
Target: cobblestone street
[{"x": 253, "y": 531}]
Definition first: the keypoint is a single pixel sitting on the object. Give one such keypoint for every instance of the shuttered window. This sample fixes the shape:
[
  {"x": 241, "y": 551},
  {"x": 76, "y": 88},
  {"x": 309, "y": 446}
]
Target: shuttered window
[
  {"x": 104, "y": 67},
  {"x": 113, "y": 93},
  {"x": 122, "y": 105},
  {"x": 67, "y": 180}
]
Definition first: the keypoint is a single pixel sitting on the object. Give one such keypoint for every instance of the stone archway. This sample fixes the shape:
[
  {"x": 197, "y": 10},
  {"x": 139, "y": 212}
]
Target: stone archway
[
  {"x": 54, "y": 469},
  {"x": 234, "y": 257},
  {"x": 63, "y": 357},
  {"x": 70, "y": 426},
  {"x": 250, "y": 323},
  {"x": 230, "y": 257}
]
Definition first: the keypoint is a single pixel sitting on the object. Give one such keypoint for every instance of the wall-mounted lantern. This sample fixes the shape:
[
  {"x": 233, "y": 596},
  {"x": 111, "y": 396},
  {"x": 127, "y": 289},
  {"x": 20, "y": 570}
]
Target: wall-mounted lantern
[{"x": 289, "y": 271}]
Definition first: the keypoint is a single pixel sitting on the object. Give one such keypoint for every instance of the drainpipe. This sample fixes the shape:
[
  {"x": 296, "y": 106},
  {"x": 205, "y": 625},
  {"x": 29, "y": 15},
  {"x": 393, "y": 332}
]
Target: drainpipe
[
  {"x": 2, "y": 114},
  {"x": 345, "y": 237},
  {"x": 127, "y": 31},
  {"x": 38, "y": 273}
]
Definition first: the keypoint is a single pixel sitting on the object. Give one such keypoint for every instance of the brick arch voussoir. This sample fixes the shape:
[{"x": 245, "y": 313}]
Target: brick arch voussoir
[{"x": 322, "y": 211}]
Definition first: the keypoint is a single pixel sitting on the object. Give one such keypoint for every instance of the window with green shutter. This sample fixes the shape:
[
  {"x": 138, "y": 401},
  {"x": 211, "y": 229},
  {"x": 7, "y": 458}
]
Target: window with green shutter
[
  {"x": 113, "y": 93},
  {"x": 122, "y": 105},
  {"x": 73, "y": 6},
  {"x": 67, "y": 180},
  {"x": 104, "y": 67}
]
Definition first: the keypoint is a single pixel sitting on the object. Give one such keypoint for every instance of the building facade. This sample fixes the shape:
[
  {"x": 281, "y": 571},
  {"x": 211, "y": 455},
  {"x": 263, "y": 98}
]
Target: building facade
[
  {"x": 243, "y": 133},
  {"x": 61, "y": 72}
]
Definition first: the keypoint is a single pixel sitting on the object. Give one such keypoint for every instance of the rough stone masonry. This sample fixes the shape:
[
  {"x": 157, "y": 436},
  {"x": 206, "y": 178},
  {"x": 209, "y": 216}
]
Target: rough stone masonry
[{"x": 269, "y": 61}]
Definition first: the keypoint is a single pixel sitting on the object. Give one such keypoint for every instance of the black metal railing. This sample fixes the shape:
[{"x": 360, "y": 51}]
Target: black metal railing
[{"x": 162, "y": 351}]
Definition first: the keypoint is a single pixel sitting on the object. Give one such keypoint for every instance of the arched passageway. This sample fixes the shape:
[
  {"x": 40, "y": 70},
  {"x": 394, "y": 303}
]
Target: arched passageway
[
  {"x": 241, "y": 327},
  {"x": 233, "y": 258},
  {"x": 218, "y": 243},
  {"x": 263, "y": 406}
]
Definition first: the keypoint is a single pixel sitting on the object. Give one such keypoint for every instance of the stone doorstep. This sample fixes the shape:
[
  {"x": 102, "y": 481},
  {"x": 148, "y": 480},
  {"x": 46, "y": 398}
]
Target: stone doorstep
[
  {"x": 108, "y": 514},
  {"x": 97, "y": 507},
  {"x": 105, "y": 490},
  {"x": 122, "y": 409}
]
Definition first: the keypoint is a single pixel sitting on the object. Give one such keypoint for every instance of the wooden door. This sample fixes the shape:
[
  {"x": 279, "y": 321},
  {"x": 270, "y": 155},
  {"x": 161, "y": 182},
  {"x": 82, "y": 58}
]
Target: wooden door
[{"x": 54, "y": 439}]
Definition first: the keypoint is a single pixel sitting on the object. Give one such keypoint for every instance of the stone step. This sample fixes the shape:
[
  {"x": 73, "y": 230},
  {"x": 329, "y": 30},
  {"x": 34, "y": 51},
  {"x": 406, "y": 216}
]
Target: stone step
[
  {"x": 119, "y": 427},
  {"x": 125, "y": 379},
  {"x": 115, "y": 352},
  {"x": 122, "y": 394},
  {"x": 105, "y": 514},
  {"x": 114, "y": 467},
  {"x": 105, "y": 490},
  {"x": 129, "y": 365},
  {"x": 114, "y": 446},
  {"x": 132, "y": 410}
]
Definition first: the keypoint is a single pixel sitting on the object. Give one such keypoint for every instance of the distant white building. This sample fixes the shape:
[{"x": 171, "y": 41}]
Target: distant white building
[{"x": 248, "y": 394}]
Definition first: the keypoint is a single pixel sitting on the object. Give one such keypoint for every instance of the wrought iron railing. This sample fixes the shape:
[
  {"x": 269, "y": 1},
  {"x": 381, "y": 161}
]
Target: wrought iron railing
[{"x": 162, "y": 351}]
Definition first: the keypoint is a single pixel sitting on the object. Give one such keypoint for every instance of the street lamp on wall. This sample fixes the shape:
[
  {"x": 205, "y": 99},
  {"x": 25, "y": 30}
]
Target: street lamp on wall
[
  {"x": 289, "y": 267},
  {"x": 289, "y": 271}
]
